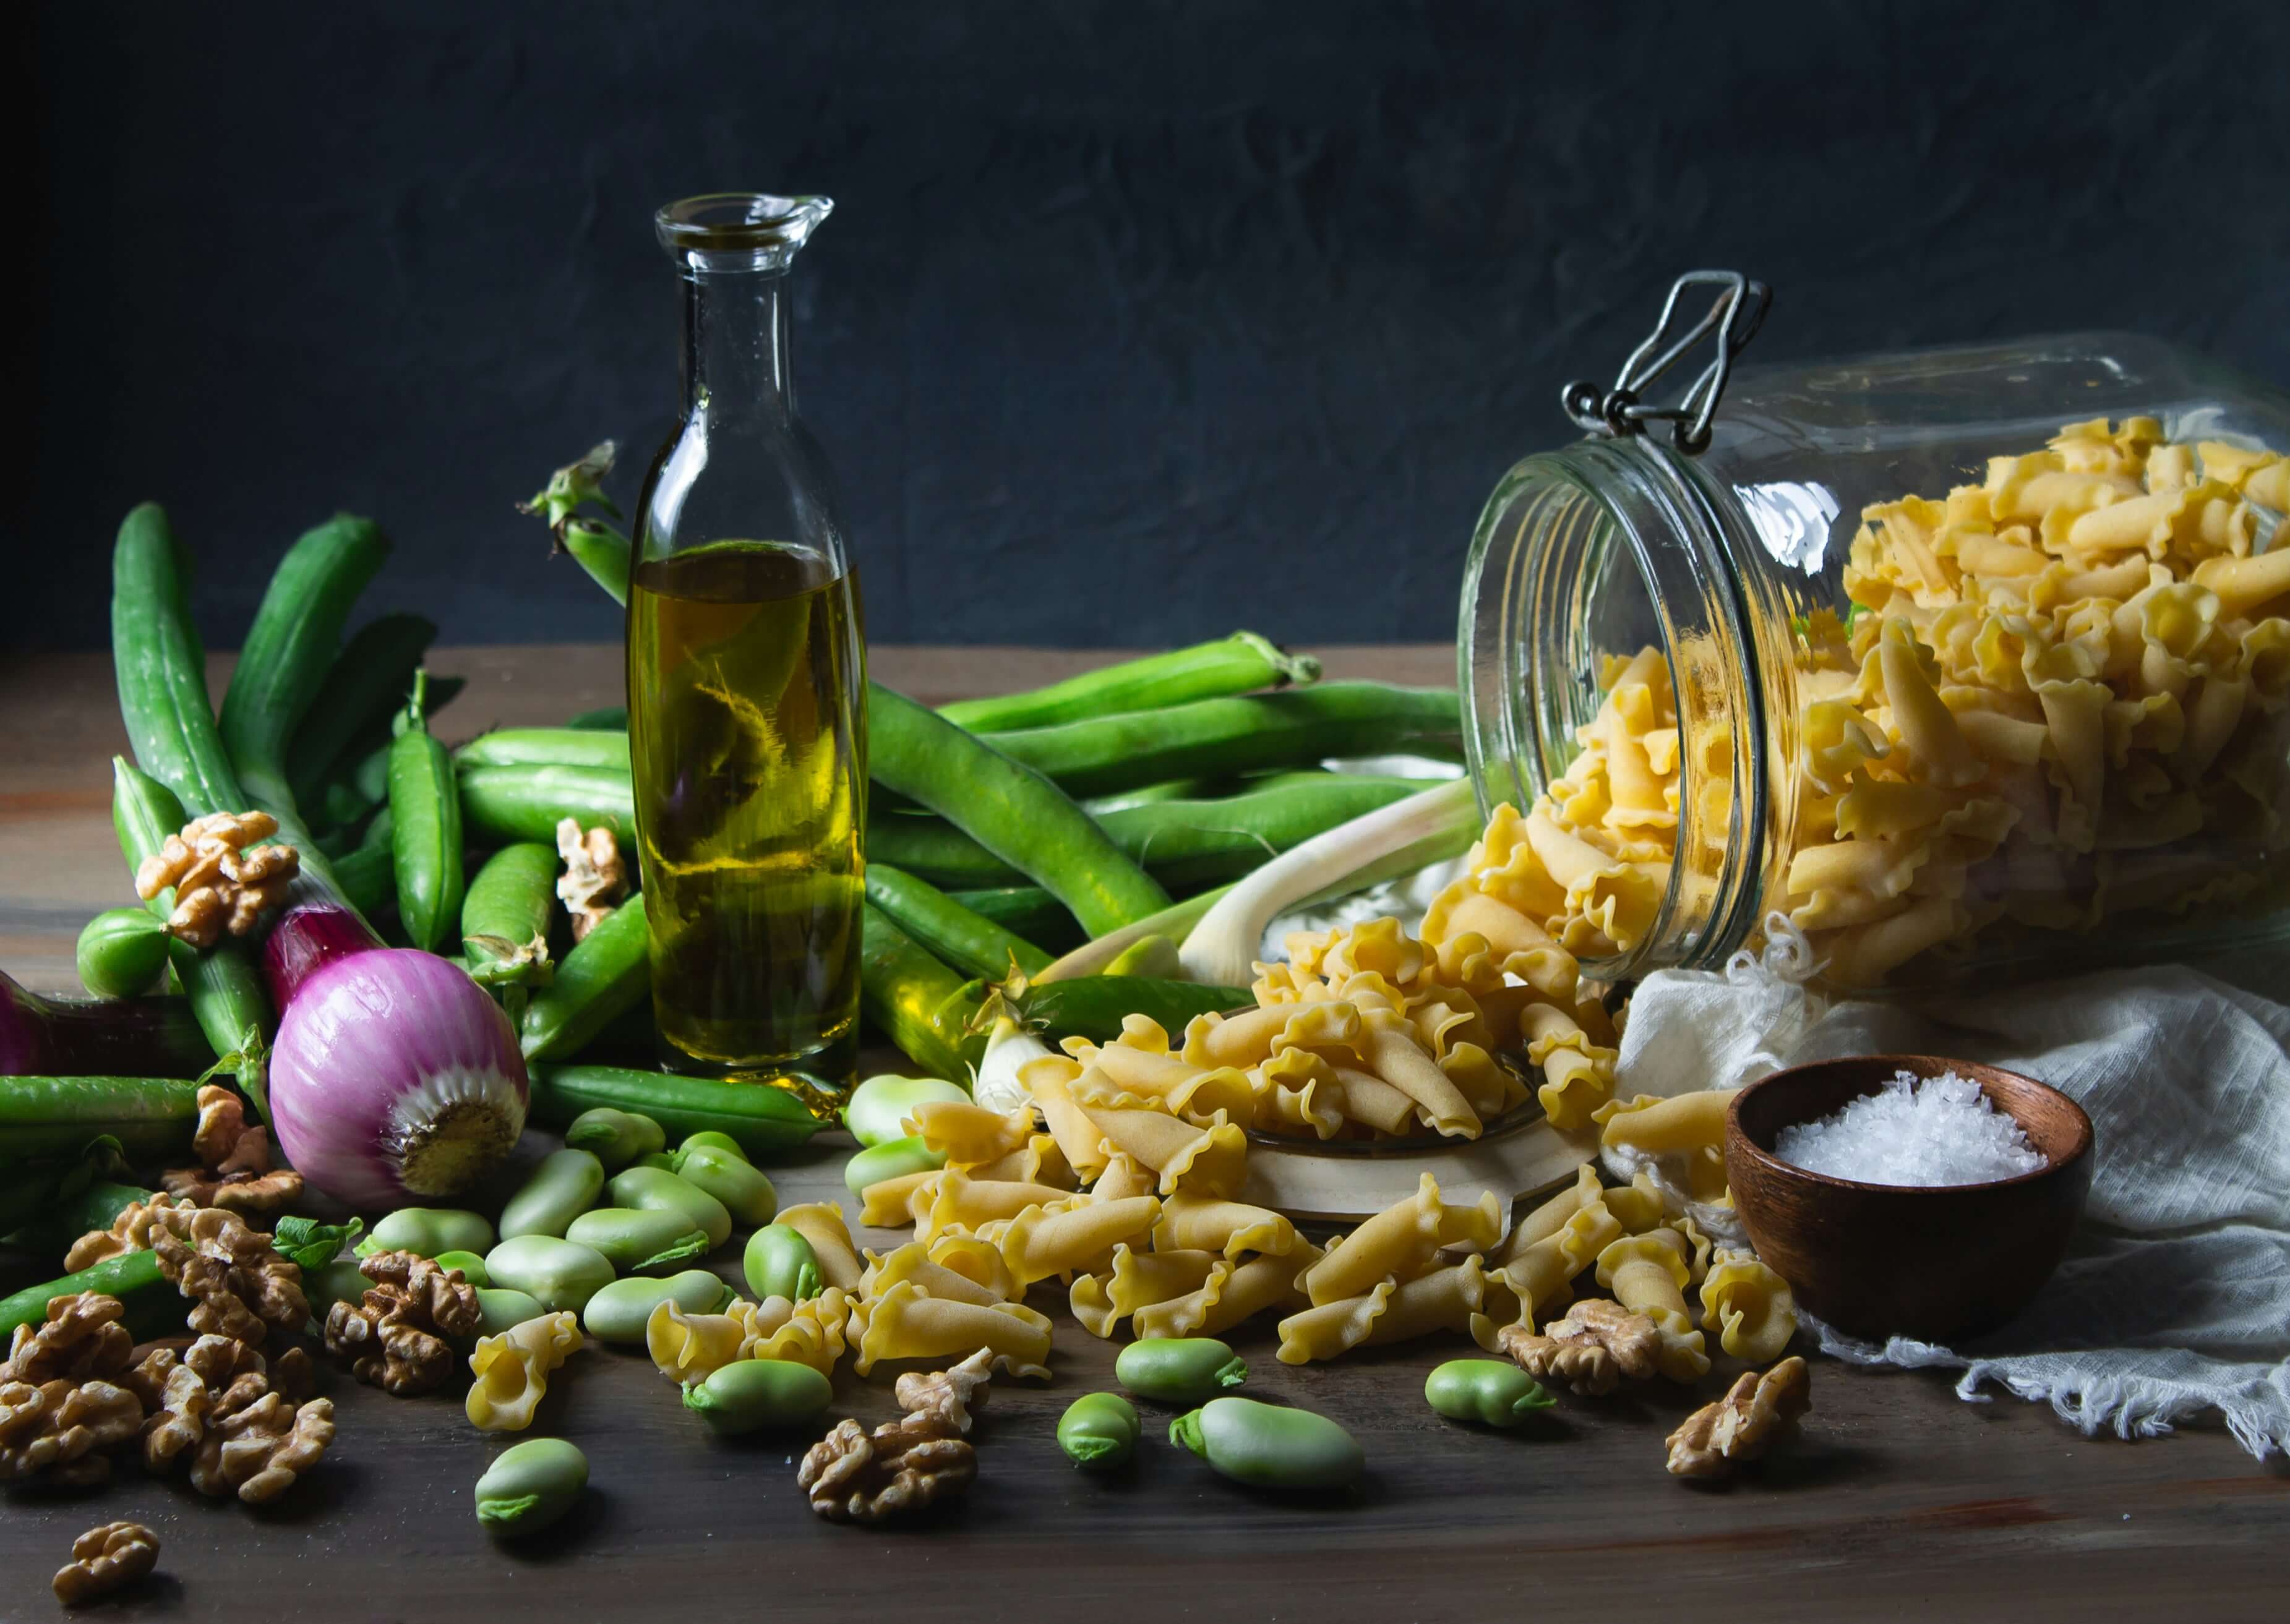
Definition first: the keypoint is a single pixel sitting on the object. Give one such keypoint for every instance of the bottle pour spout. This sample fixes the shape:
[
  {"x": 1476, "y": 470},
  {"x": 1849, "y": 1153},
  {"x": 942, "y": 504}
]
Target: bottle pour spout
[{"x": 730, "y": 231}]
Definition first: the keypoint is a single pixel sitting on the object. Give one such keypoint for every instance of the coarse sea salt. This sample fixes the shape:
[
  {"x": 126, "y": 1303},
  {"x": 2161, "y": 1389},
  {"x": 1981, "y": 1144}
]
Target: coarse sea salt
[{"x": 1921, "y": 1132}]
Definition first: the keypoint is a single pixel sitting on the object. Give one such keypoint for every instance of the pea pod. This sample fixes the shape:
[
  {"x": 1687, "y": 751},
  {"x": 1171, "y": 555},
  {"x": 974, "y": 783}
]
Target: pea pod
[
  {"x": 1242, "y": 663},
  {"x": 615, "y": 1138},
  {"x": 1099, "y": 1431},
  {"x": 562, "y": 1187},
  {"x": 766, "y": 1121},
  {"x": 505, "y": 916},
  {"x": 542, "y": 747},
  {"x": 879, "y": 1107},
  {"x": 1179, "y": 1370},
  {"x": 502, "y": 1308},
  {"x": 472, "y": 1266},
  {"x": 154, "y": 1306},
  {"x": 892, "y": 1159},
  {"x": 426, "y": 1231},
  {"x": 779, "y": 1262},
  {"x": 530, "y": 1485},
  {"x": 970, "y": 942},
  {"x": 708, "y": 1139},
  {"x": 751, "y": 1394},
  {"x": 425, "y": 824},
  {"x": 731, "y": 1178},
  {"x": 557, "y": 1274},
  {"x": 1494, "y": 1392},
  {"x": 606, "y": 975},
  {"x": 914, "y": 1001},
  {"x": 617, "y": 1313},
  {"x": 633, "y": 1239},
  {"x": 122, "y": 950},
  {"x": 522, "y": 803},
  {"x": 1270, "y": 1446},
  {"x": 655, "y": 1190}
]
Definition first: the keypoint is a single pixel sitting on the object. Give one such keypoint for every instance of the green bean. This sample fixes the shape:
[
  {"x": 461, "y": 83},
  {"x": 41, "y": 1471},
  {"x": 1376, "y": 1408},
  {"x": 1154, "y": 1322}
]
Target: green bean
[
  {"x": 1009, "y": 810},
  {"x": 878, "y": 1109},
  {"x": 557, "y": 1274},
  {"x": 779, "y": 1262},
  {"x": 154, "y": 1306},
  {"x": 505, "y": 803},
  {"x": 1029, "y": 911},
  {"x": 914, "y": 1001},
  {"x": 1494, "y": 1391},
  {"x": 424, "y": 819},
  {"x": 968, "y": 941},
  {"x": 426, "y": 1231},
  {"x": 731, "y": 1178},
  {"x": 606, "y": 974},
  {"x": 361, "y": 693},
  {"x": 751, "y": 1394},
  {"x": 619, "y": 1312},
  {"x": 505, "y": 916},
  {"x": 1241, "y": 663},
  {"x": 616, "y": 1138},
  {"x": 472, "y": 1266},
  {"x": 892, "y": 1159},
  {"x": 765, "y": 1120},
  {"x": 1185, "y": 844},
  {"x": 545, "y": 747},
  {"x": 561, "y": 1188},
  {"x": 635, "y": 1240},
  {"x": 530, "y": 1485},
  {"x": 501, "y": 1308},
  {"x": 1270, "y": 1446},
  {"x": 1151, "y": 795},
  {"x": 1179, "y": 1370},
  {"x": 1210, "y": 736},
  {"x": 657, "y": 1190},
  {"x": 1099, "y": 1431},
  {"x": 122, "y": 951}
]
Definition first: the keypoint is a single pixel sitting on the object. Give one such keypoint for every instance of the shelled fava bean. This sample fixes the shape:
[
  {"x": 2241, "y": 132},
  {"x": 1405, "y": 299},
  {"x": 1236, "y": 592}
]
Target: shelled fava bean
[
  {"x": 500, "y": 1308},
  {"x": 558, "y": 1273},
  {"x": 562, "y": 1187},
  {"x": 529, "y": 1485},
  {"x": 426, "y": 1231},
  {"x": 652, "y": 1190},
  {"x": 779, "y": 1262},
  {"x": 751, "y": 1394},
  {"x": 617, "y": 1313},
  {"x": 879, "y": 1107},
  {"x": 614, "y": 1138},
  {"x": 893, "y": 1158},
  {"x": 1270, "y": 1446},
  {"x": 633, "y": 1238},
  {"x": 1491, "y": 1391},
  {"x": 727, "y": 1177},
  {"x": 472, "y": 1266},
  {"x": 709, "y": 1139},
  {"x": 1099, "y": 1431},
  {"x": 1179, "y": 1370}
]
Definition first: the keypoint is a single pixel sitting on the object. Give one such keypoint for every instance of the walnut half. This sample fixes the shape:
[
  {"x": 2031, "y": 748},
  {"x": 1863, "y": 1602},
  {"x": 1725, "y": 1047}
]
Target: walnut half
[
  {"x": 853, "y": 1476},
  {"x": 224, "y": 878},
  {"x": 1757, "y": 1412},
  {"x": 234, "y": 1170},
  {"x": 104, "y": 1560},
  {"x": 81, "y": 1340},
  {"x": 395, "y": 1336},
  {"x": 595, "y": 877},
  {"x": 1590, "y": 1349}
]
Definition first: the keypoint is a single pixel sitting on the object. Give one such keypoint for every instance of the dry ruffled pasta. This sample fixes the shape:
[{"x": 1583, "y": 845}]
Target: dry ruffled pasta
[
  {"x": 913, "y": 1262},
  {"x": 1230, "y": 1295},
  {"x": 807, "y": 1332},
  {"x": 888, "y": 1202},
  {"x": 1648, "y": 1274},
  {"x": 1398, "y": 1241},
  {"x": 1050, "y": 1081},
  {"x": 822, "y": 1224},
  {"x": 690, "y": 1348},
  {"x": 1684, "y": 1136},
  {"x": 1327, "y": 1329},
  {"x": 961, "y": 1203},
  {"x": 511, "y": 1369},
  {"x": 1209, "y": 1160},
  {"x": 1140, "y": 1280},
  {"x": 967, "y": 1134},
  {"x": 1749, "y": 1306},
  {"x": 1211, "y": 1223},
  {"x": 1125, "y": 1175},
  {"x": 1073, "y": 1236},
  {"x": 905, "y": 1322}
]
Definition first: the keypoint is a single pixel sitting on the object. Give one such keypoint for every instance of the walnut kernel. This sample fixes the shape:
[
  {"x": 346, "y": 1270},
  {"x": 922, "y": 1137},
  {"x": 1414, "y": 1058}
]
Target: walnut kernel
[
  {"x": 595, "y": 878},
  {"x": 854, "y": 1476},
  {"x": 234, "y": 1170},
  {"x": 223, "y": 878},
  {"x": 395, "y": 1336},
  {"x": 1590, "y": 1349},
  {"x": 1757, "y": 1412},
  {"x": 106, "y": 1559},
  {"x": 81, "y": 1340}
]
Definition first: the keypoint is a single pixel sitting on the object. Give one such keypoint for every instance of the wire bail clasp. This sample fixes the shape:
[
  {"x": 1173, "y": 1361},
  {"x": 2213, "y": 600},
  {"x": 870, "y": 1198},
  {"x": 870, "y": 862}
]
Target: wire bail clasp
[{"x": 1735, "y": 315}]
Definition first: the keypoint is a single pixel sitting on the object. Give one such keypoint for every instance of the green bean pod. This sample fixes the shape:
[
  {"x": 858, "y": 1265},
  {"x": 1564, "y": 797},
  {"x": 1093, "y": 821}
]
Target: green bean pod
[
  {"x": 1099, "y": 1431},
  {"x": 878, "y": 1109},
  {"x": 615, "y": 1137},
  {"x": 917, "y": 1002},
  {"x": 526, "y": 803},
  {"x": 619, "y": 1312},
  {"x": 968, "y": 941},
  {"x": 505, "y": 916},
  {"x": 1242, "y": 663},
  {"x": 748, "y": 1394},
  {"x": 638, "y": 1240},
  {"x": 651, "y": 1189},
  {"x": 153, "y": 1304},
  {"x": 503, "y": 1308},
  {"x": 530, "y": 1485},
  {"x": 558, "y": 1275},
  {"x": 546, "y": 747},
  {"x": 363, "y": 693},
  {"x": 1494, "y": 1392},
  {"x": 1028, "y": 910},
  {"x": 893, "y": 1158},
  {"x": 1179, "y": 1370},
  {"x": 742, "y": 1189},
  {"x": 426, "y": 1231},
  {"x": 1093, "y": 1006},
  {"x": 122, "y": 952},
  {"x": 425, "y": 820},
  {"x": 562, "y": 1187},
  {"x": 766, "y": 1121},
  {"x": 779, "y": 1262},
  {"x": 1270, "y": 1446},
  {"x": 607, "y": 973},
  {"x": 471, "y": 1265}
]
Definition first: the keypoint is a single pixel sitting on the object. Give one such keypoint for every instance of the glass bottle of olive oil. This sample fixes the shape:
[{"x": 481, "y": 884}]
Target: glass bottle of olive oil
[{"x": 746, "y": 680}]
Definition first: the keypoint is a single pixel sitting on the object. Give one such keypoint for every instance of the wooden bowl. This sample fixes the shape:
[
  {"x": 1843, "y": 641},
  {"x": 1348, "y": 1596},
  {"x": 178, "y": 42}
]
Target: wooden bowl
[{"x": 1938, "y": 1264}]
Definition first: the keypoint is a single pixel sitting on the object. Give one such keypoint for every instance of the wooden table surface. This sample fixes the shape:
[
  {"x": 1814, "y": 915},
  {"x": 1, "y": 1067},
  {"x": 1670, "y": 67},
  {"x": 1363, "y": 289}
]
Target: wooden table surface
[{"x": 1902, "y": 1502}]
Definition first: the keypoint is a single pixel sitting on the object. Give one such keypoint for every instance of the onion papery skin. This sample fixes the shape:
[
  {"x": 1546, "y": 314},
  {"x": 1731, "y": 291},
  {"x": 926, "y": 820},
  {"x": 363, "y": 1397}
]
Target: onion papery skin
[{"x": 394, "y": 1078}]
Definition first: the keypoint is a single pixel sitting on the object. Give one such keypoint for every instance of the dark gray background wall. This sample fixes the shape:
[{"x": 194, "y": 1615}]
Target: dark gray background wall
[{"x": 1134, "y": 321}]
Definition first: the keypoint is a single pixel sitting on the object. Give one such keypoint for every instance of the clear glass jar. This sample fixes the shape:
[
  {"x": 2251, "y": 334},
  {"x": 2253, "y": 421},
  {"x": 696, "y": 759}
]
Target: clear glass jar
[{"x": 2107, "y": 777}]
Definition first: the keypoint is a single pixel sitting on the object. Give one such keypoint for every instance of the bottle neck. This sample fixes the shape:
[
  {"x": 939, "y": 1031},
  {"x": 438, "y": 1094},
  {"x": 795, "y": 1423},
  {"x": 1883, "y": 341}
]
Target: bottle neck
[{"x": 735, "y": 347}]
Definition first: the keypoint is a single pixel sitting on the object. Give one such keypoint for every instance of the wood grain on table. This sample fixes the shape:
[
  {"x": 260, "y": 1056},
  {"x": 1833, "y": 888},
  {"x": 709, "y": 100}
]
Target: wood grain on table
[{"x": 1902, "y": 1502}]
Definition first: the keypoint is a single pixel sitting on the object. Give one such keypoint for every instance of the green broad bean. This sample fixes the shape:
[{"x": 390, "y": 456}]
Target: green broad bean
[
  {"x": 1270, "y": 1446},
  {"x": 559, "y": 1274},
  {"x": 562, "y": 1187},
  {"x": 878, "y": 1111},
  {"x": 655, "y": 1158},
  {"x": 501, "y": 1310},
  {"x": 728, "y": 1176},
  {"x": 781, "y": 1263},
  {"x": 426, "y": 1231},
  {"x": 472, "y": 1266},
  {"x": 1180, "y": 1369},
  {"x": 893, "y": 1158},
  {"x": 1099, "y": 1431},
  {"x": 1494, "y": 1392},
  {"x": 618, "y": 1313},
  {"x": 341, "y": 1281},
  {"x": 655, "y": 1189},
  {"x": 709, "y": 1139},
  {"x": 615, "y": 1138},
  {"x": 635, "y": 1240},
  {"x": 529, "y": 1485},
  {"x": 751, "y": 1394}
]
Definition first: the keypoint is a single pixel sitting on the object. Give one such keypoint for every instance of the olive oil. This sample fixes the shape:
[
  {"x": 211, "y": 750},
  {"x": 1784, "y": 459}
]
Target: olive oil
[{"x": 747, "y": 716}]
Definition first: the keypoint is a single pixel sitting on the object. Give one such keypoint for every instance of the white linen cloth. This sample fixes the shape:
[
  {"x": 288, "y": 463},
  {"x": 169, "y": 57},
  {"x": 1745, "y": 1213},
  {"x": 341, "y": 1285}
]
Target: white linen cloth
[{"x": 2174, "y": 1297}]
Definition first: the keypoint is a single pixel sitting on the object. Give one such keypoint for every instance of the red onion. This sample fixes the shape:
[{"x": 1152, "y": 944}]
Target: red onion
[{"x": 395, "y": 1077}]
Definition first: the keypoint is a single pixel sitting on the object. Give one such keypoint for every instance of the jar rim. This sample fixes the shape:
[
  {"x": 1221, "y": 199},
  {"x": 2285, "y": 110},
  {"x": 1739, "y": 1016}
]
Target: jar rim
[{"x": 739, "y": 230}]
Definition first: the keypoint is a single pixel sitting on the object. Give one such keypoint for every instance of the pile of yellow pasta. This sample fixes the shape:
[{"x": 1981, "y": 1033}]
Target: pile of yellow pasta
[{"x": 2068, "y": 699}]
